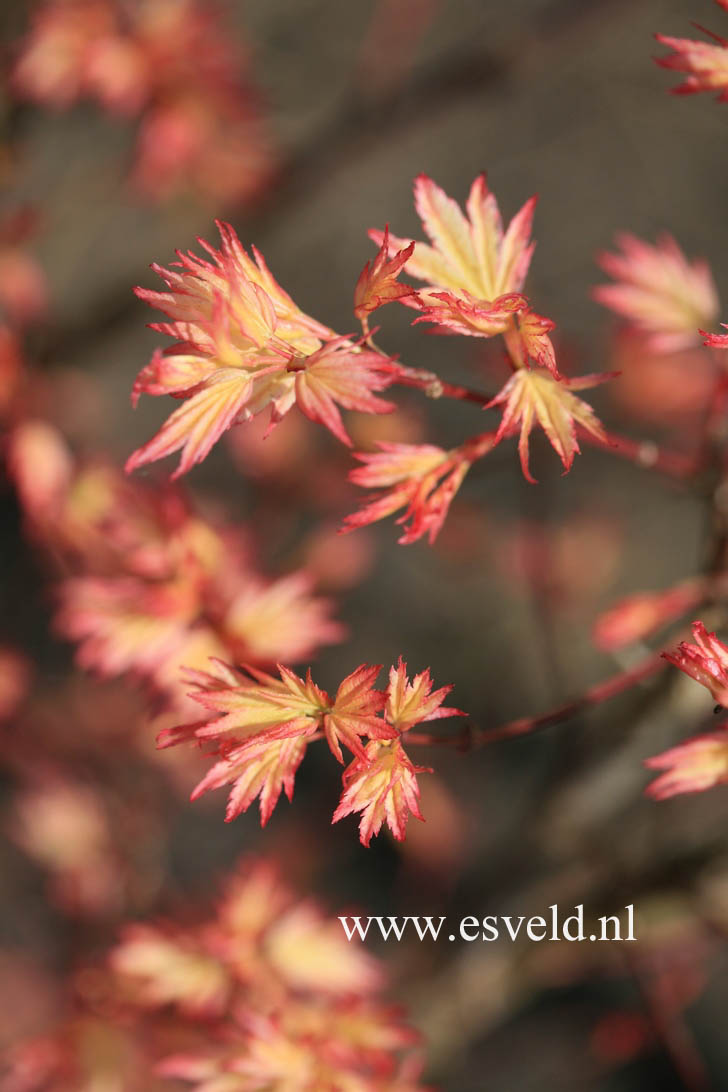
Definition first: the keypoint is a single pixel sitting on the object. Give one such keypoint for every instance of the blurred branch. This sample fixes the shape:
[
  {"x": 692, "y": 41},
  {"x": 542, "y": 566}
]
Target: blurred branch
[{"x": 669, "y": 1025}]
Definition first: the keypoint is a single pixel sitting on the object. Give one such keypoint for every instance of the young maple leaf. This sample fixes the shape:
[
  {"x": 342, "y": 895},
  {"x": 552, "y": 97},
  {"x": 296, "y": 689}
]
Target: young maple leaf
[
  {"x": 411, "y": 702},
  {"x": 532, "y": 342},
  {"x": 694, "y": 766},
  {"x": 266, "y": 621},
  {"x": 342, "y": 372},
  {"x": 354, "y": 713},
  {"x": 472, "y": 256},
  {"x": 310, "y": 952},
  {"x": 161, "y": 587},
  {"x": 706, "y": 661},
  {"x": 263, "y": 725},
  {"x": 383, "y": 788},
  {"x": 256, "y": 706},
  {"x": 51, "y": 68},
  {"x": 705, "y": 63},
  {"x": 659, "y": 290},
  {"x": 172, "y": 64},
  {"x": 637, "y": 616},
  {"x": 377, "y": 284},
  {"x": 463, "y": 314},
  {"x": 420, "y": 478},
  {"x": 259, "y": 707},
  {"x": 123, "y": 623},
  {"x": 241, "y": 346},
  {"x": 533, "y": 395},
  {"x": 260, "y": 1056},
  {"x": 163, "y": 967},
  {"x": 526, "y": 333},
  {"x": 260, "y": 767},
  {"x": 716, "y": 341}
]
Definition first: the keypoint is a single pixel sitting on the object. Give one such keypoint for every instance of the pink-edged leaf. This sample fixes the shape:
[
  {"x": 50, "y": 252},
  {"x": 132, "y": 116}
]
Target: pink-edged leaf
[
  {"x": 383, "y": 788},
  {"x": 343, "y": 373},
  {"x": 261, "y": 769},
  {"x": 411, "y": 702},
  {"x": 199, "y": 423},
  {"x": 699, "y": 764},
  {"x": 355, "y": 713},
  {"x": 377, "y": 284}
]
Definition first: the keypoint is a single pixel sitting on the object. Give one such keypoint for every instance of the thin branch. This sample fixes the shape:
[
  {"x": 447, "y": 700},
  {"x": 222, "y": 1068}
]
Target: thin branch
[
  {"x": 470, "y": 738},
  {"x": 603, "y": 691},
  {"x": 646, "y": 454},
  {"x": 434, "y": 387}
]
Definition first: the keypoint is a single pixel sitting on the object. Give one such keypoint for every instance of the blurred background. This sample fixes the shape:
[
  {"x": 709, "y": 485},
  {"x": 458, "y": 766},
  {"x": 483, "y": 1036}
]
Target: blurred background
[{"x": 345, "y": 105}]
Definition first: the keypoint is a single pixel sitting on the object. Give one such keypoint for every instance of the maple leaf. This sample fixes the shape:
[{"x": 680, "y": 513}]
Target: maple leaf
[
  {"x": 266, "y": 621},
  {"x": 260, "y": 767},
  {"x": 411, "y": 702},
  {"x": 354, "y": 713},
  {"x": 241, "y": 346},
  {"x": 310, "y": 952},
  {"x": 533, "y": 395},
  {"x": 172, "y": 65},
  {"x": 715, "y": 341},
  {"x": 637, "y": 616},
  {"x": 51, "y": 67},
  {"x": 705, "y": 63},
  {"x": 123, "y": 623},
  {"x": 174, "y": 590},
  {"x": 23, "y": 285},
  {"x": 694, "y": 766},
  {"x": 41, "y": 467},
  {"x": 341, "y": 372},
  {"x": 259, "y": 707},
  {"x": 706, "y": 661},
  {"x": 420, "y": 478},
  {"x": 197, "y": 425},
  {"x": 532, "y": 342},
  {"x": 377, "y": 284},
  {"x": 383, "y": 788},
  {"x": 162, "y": 967},
  {"x": 659, "y": 290},
  {"x": 526, "y": 333},
  {"x": 473, "y": 255},
  {"x": 463, "y": 314}
]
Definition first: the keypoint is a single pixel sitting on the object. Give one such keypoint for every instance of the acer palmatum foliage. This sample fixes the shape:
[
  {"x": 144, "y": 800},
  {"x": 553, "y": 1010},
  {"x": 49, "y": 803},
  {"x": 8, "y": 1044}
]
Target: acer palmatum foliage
[
  {"x": 533, "y": 396},
  {"x": 638, "y": 616},
  {"x": 264, "y": 992},
  {"x": 704, "y": 63},
  {"x": 474, "y": 274},
  {"x": 149, "y": 584},
  {"x": 420, "y": 478},
  {"x": 170, "y": 64},
  {"x": 379, "y": 282},
  {"x": 706, "y": 661},
  {"x": 470, "y": 257},
  {"x": 259, "y": 727},
  {"x": 699, "y": 764},
  {"x": 24, "y": 293},
  {"x": 702, "y": 762},
  {"x": 659, "y": 291},
  {"x": 243, "y": 346}
]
